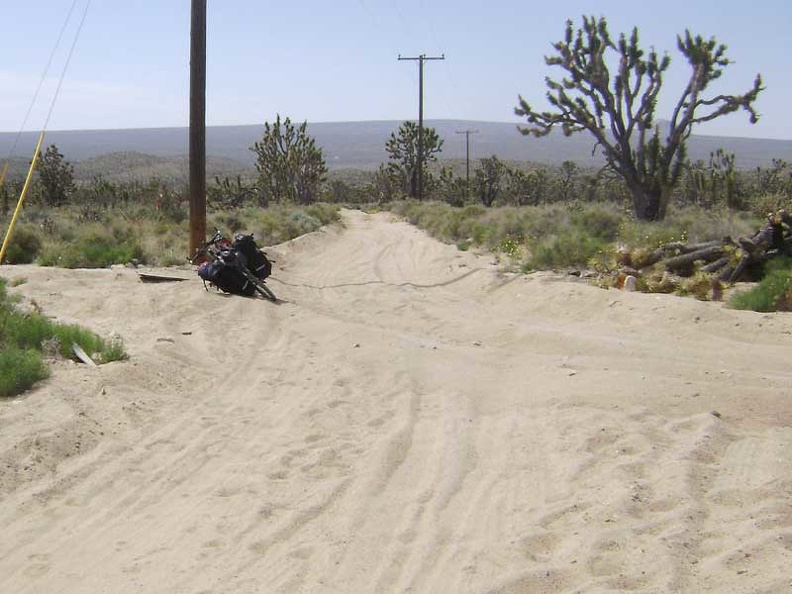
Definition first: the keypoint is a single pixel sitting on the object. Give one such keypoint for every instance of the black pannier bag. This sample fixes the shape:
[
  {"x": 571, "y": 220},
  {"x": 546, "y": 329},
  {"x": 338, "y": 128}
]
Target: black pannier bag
[
  {"x": 227, "y": 278},
  {"x": 257, "y": 261}
]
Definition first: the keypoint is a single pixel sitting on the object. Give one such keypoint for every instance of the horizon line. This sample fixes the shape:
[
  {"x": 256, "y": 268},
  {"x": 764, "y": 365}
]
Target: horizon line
[{"x": 339, "y": 122}]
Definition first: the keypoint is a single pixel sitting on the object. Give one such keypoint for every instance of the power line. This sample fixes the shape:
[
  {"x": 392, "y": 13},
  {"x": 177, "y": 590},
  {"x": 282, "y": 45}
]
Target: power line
[
  {"x": 66, "y": 65},
  {"x": 32, "y": 167},
  {"x": 421, "y": 59},
  {"x": 38, "y": 88}
]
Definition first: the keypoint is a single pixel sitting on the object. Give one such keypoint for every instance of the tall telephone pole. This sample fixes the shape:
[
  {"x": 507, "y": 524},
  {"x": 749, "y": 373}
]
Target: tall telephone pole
[
  {"x": 197, "y": 125},
  {"x": 421, "y": 59},
  {"x": 467, "y": 134}
]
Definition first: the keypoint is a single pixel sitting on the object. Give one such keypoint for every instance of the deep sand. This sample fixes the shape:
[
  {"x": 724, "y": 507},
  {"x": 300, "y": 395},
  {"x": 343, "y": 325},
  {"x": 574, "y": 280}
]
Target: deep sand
[{"x": 407, "y": 419}]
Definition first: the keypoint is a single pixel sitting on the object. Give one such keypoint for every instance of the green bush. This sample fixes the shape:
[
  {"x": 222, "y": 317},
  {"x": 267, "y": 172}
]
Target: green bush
[
  {"x": 599, "y": 221},
  {"x": 20, "y": 369},
  {"x": 299, "y": 223},
  {"x": 324, "y": 213},
  {"x": 766, "y": 204},
  {"x": 23, "y": 336},
  {"x": 571, "y": 248},
  {"x": 95, "y": 247},
  {"x": 275, "y": 224},
  {"x": 24, "y": 246},
  {"x": 773, "y": 293}
]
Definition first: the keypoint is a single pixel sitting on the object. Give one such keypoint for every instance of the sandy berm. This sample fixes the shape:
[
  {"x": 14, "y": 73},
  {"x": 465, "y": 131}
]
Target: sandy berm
[{"x": 407, "y": 419}]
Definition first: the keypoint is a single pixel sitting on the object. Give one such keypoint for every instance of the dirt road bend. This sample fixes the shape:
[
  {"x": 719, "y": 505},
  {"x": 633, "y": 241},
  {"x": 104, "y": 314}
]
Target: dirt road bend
[{"x": 406, "y": 419}]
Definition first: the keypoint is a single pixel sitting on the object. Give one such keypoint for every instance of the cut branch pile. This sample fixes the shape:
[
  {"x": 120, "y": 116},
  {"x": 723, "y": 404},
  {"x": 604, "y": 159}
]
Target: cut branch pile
[{"x": 724, "y": 261}]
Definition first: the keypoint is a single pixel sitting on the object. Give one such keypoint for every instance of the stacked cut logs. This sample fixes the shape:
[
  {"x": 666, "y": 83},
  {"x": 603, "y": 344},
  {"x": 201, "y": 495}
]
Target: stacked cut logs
[{"x": 725, "y": 259}]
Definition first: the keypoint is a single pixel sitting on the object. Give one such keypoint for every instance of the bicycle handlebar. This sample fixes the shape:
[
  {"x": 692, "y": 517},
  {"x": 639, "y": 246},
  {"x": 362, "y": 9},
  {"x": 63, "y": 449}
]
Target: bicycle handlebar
[{"x": 205, "y": 247}]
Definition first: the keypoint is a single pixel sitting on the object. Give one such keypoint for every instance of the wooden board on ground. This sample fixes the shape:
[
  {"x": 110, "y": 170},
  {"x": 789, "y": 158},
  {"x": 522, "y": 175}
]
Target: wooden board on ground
[
  {"x": 82, "y": 355},
  {"x": 148, "y": 277}
]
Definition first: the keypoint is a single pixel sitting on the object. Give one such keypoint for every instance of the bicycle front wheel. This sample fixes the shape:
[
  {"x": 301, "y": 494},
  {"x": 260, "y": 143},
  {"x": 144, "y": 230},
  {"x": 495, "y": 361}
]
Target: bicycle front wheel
[{"x": 265, "y": 291}]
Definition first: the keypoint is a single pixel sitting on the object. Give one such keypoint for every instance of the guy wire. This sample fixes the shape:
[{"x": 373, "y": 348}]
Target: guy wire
[
  {"x": 41, "y": 81},
  {"x": 66, "y": 65}
]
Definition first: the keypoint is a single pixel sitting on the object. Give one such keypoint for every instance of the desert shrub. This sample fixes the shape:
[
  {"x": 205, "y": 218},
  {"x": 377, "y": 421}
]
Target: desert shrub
[
  {"x": 23, "y": 336},
  {"x": 483, "y": 232},
  {"x": 690, "y": 225},
  {"x": 765, "y": 204},
  {"x": 429, "y": 216},
  {"x": 461, "y": 223},
  {"x": 324, "y": 213},
  {"x": 636, "y": 233},
  {"x": 25, "y": 331},
  {"x": 31, "y": 331},
  {"x": 699, "y": 285},
  {"x": 112, "y": 350},
  {"x": 20, "y": 369},
  {"x": 773, "y": 293},
  {"x": 545, "y": 220},
  {"x": 600, "y": 221},
  {"x": 95, "y": 247},
  {"x": 299, "y": 223},
  {"x": 24, "y": 246},
  {"x": 570, "y": 248},
  {"x": 699, "y": 225},
  {"x": 276, "y": 223}
]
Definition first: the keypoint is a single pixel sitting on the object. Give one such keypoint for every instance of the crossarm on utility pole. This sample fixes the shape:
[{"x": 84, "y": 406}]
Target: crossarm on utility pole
[{"x": 421, "y": 59}]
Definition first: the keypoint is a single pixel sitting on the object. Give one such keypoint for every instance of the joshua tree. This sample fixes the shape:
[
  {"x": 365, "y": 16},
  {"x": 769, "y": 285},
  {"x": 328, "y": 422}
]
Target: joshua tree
[
  {"x": 617, "y": 105},
  {"x": 290, "y": 165},
  {"x": 489, "y": 178},
  {"x": 403, "y": 152},
  {"x": 56, "y": 176}
]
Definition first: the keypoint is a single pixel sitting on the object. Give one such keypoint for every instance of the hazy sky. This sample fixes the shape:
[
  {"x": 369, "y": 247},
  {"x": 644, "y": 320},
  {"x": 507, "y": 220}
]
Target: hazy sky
[{"x": 325, "y": 60}]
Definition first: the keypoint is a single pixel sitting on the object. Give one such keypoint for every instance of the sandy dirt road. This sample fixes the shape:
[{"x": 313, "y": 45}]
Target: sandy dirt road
[{"x": 407, "y": 419}]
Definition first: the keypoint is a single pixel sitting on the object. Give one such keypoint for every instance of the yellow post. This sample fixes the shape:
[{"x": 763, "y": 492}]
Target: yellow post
[{"x": 21, "y": 197}]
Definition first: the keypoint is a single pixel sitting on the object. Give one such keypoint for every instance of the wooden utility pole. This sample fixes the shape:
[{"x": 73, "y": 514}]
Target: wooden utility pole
[
  {"x": 421, "y": 59},
  {"x": 197, "y": 126},
  {"x": 467, "y": 134}
]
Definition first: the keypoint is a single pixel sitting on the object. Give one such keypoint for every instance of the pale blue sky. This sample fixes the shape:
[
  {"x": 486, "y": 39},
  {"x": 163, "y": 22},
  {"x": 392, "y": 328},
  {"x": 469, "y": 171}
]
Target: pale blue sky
[{"x": 325, "y": 61}]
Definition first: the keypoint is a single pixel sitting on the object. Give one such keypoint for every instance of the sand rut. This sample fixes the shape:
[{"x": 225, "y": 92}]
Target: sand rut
[{"x": 408, "y": 419}]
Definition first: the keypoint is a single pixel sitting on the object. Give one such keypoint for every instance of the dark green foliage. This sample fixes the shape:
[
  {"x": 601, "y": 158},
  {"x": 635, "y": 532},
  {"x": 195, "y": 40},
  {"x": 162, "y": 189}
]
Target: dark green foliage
[
  {"x": 20, "y": 370},
  {"x": 489, "y": 178},
  {"x": 56, "y": 177},
  {"x": 528, "y": 188},
  {"x": 95, "y": 247},
  {"x": 568, "y": 180},
  {"x": 773, "y": 293},
  {"x": 225, "y": 193},
  {"x": 24, "y": 246},
  {"x": 341, "y": 192},
  {"x": 777, "y": 179},
  {"x": 402, "y": 148},
  {"x": 616, "y": 105},
  {"x": 276, "y": 224},
  {"x": 290, "y": 165},
  {"x": 324, "y": 213},
  {"x": 571, "y": 248},
  {"x": 22, "y": 337},
  {"x": 5, "y": 200},
  {"x": 712, "y": 185},
  {"x": 452, "y": 190},
  {"x": 600, "y": 223},
  {"x": 387, "y": 185}
]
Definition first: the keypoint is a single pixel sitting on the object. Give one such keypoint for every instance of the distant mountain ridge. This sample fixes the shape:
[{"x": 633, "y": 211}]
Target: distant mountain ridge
[{"x": 362, "y": 144}]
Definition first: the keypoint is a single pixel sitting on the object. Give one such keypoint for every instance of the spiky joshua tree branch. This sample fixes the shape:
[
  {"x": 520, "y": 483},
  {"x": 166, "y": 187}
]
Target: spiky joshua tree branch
[{"x": 617, "y": 105}]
